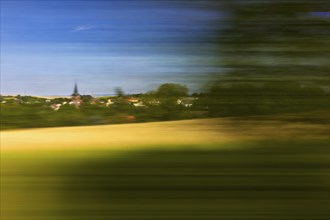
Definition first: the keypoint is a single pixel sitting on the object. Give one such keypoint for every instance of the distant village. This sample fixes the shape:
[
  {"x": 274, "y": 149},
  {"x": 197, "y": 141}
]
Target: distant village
[
  {"x": 170, "y": 101},
  {"x": 76, "y": 100}
]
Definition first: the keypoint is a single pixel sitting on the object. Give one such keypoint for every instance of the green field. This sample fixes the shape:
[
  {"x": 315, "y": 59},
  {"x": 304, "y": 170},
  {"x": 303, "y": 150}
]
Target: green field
[{"x": 237, "y": 174}]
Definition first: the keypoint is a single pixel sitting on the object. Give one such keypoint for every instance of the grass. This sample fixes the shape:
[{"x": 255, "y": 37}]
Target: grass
[{"x": 198, "y": 169}]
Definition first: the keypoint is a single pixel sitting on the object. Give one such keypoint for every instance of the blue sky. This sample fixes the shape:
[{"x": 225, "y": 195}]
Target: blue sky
[{"x": 136, "y": 45}]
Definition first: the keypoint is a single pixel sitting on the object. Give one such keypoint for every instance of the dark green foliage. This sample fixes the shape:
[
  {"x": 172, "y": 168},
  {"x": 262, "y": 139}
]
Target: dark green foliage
[
  {"x": 276, "y": 41},
  {"x": 171, "y": 90},
  {"x": 15, "y": 115},
  {"x": 270, "y": 98},
  {"x": 273, "y": 180},
  {"x": 276, "y": 57},
  {"x": 86, "y": 98},
  {"x": 59, "y": 100},
  {"x": 222, "y": 99},
  {"x": 27, "y": 111}
]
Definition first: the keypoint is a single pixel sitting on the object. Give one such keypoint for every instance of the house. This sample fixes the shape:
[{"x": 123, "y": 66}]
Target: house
[
  {"x": 56, "y": 107},
  {"x": 186, "y": 101},
  {"x": 132, "y": 100},
  {"x": 94, "y": 101},
  {"x": 109, "y": 102},
  {"x": 139, "y": 104}
]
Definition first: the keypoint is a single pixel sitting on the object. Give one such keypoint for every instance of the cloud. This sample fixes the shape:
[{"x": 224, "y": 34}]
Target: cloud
[{"x": 82, "y": 28}]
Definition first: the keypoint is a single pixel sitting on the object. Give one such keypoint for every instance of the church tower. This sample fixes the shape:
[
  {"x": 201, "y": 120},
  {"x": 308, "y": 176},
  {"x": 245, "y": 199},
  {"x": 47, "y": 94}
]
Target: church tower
[
  {"x": 76, "y": 99},
  {"x": 75, "y": 90}
]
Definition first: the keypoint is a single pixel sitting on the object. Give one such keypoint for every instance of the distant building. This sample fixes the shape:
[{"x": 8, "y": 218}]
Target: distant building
[
  {"x": 139, "y": 104},
  {"x": 132, "y": 100},
  {"x": 56, "y": 107},
  {"x": 186, "y": 101},
  {"x": 75, "y": 91},
  {"x": 109, "y": 102},
  {"x": 94, "y": 101},
  {"x": 135, "y": 101},
  {"x": 75, "y": 97}
]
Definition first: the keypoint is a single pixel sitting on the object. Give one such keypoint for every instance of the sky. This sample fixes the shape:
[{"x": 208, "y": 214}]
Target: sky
[{"x": 48, "y": 45}]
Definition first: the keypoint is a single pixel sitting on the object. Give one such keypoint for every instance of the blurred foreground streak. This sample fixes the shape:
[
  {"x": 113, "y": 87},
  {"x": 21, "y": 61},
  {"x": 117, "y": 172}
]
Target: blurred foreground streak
[
  {"x": 198, "y": 169},
  {"x": 276, "y": 41},
  {"x": 276, "y": 58},
  {"x": 255, "y": 183}
]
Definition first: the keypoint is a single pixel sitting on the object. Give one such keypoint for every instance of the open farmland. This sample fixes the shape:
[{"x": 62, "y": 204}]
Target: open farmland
[
  {"x": 160, "y": 133},
  {"x": 195, "y": 169}
]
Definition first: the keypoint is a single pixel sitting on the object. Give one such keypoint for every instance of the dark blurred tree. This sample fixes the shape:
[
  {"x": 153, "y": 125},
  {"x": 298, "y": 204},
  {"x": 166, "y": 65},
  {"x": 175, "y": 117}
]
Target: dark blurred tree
[
  {"x": 276, "y": 54},
  {"x": 60, "y": 100},
  {"x": 119, "y": 92},
  {"x": 162, "y": 104},
  {"x": 243, "y": 99},
  {"x": 173, "y": 90},
  {"x": 86, "y": 98},
  {"x": 277, "y": 40}
]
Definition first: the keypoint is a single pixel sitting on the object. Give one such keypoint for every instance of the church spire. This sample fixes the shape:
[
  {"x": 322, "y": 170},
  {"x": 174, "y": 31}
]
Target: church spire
[{"x": 75, "y": 90}]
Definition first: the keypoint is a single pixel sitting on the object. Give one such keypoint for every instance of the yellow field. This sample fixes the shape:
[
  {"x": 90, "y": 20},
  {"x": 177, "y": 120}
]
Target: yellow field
[
  {"x": 74, "y": 172},
  {"x": 159, "y": 133}
]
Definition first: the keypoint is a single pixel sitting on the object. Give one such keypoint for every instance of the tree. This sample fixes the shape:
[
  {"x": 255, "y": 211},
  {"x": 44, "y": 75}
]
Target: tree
[
  {"x": 172, "y": 90},
  {"x": 272, "y": 50},
  {"x": 276, "y": 40},
  {"x": 119, "y": 92}
]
